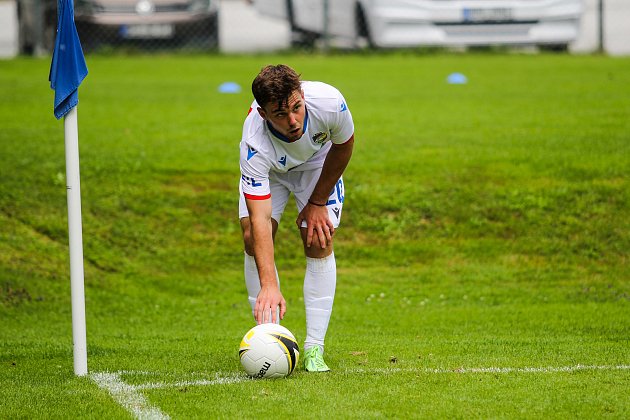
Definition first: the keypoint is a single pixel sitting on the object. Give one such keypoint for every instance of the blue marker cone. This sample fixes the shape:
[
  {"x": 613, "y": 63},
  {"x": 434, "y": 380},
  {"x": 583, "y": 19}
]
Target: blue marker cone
[
  {"x": 229, "y": 87},
  {"x": 457, "y": 79}
]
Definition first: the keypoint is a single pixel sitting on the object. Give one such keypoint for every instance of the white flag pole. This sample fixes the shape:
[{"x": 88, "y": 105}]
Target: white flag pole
[{"x": 75, "y": 233}]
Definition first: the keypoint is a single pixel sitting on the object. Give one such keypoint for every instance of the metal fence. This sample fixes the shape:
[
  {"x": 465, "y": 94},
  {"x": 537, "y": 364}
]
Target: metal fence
[
  {"x": 123, "y": 24},
  {"x": 305, "y": 25}
]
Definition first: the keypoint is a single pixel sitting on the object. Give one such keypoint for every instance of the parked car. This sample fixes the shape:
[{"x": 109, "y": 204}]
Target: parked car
[
  {"x": 411, "y": 23},
  {"x": 143, "y": 23}
]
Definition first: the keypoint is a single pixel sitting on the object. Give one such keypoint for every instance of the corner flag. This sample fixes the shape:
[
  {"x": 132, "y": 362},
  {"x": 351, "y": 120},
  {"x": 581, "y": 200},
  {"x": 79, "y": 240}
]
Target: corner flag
[
  {"x": 67, "y": 71},
  {"x": 68, "y": 68}
]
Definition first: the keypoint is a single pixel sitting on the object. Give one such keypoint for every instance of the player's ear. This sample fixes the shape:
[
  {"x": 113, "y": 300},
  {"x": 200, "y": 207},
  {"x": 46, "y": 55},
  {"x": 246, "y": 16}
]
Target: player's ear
[
  {"x": 262, "y": 114},
  {"x": 302, "y": 93}
]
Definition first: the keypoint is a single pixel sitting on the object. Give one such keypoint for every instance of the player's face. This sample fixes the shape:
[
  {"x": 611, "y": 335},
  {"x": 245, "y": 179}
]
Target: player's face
[{"x": 288, "y": 120}]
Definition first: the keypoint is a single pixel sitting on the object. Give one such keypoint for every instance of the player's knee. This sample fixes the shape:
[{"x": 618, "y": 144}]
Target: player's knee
[
  {"x": 316, "y": 251},
  {"x": 249, "y": 249}
]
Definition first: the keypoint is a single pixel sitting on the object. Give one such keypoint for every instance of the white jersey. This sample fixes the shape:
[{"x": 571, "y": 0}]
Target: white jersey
[{"x": 327, "y": 120}]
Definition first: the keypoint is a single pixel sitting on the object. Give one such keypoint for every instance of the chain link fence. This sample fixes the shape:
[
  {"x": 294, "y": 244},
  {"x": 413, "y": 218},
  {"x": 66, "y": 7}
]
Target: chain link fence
[
  {"x": 308, "y": 25},
  {"x": 123, "y": 24}
]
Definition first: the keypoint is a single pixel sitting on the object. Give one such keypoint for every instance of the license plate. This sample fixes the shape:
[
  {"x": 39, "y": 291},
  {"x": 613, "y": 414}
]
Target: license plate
[
  {"x": 154, "y": 30},
  {"x": 492, "y": 14}
]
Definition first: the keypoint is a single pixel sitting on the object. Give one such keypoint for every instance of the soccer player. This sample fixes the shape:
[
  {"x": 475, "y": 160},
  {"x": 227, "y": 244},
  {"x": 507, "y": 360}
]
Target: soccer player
[{"x": 297, "y": 138}]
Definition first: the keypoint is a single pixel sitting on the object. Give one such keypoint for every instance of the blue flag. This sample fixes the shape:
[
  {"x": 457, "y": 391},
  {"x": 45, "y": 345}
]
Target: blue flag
[{"x": 68, "y": 68}]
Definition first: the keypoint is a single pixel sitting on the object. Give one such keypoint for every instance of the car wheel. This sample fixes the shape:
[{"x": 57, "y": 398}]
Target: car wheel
[
  {"x": 202, "y": 35},
  {"x": 364, "y": 37},
  {"x": 211, "y": 35},
  {"x": 300, "y": 38},
  {"x": 558, "y": 48}
]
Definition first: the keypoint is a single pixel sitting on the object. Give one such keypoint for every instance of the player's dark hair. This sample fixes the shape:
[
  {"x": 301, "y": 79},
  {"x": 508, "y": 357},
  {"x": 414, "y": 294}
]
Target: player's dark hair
[{"x": 275, "y": 84}]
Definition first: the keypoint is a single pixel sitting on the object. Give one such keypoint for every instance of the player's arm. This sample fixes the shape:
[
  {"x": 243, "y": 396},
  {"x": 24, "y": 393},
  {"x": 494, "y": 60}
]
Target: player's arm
[
  {"x": 315, "y": 213},
  {"x": 269, "y": 297}
]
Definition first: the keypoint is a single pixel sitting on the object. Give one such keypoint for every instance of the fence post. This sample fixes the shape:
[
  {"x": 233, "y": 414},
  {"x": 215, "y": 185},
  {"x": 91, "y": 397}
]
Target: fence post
[{"x": 600, "y": 26}]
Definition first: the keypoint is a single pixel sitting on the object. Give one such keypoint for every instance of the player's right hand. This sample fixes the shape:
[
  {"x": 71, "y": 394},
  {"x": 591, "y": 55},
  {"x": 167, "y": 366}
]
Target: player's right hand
[
  {"x": 267, "y": 304},
  {"x": 317, "y": 224}
]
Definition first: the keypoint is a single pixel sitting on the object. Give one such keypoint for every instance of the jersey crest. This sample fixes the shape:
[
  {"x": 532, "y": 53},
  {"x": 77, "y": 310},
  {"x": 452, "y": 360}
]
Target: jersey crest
[{"x": 320, "y": 138}]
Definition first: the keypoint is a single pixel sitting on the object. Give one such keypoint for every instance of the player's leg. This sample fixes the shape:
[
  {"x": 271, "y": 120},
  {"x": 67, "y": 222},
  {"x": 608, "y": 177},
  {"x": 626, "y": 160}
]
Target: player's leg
[
  {"x": 279, "y": 198},
  {"x": 320, "y": 279}
]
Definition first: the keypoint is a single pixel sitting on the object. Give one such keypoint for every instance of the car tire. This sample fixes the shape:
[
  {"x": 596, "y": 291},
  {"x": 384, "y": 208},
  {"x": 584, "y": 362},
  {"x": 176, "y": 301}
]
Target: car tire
[
  {"x": 202, "y": 36},
  {"x": 364, "y": 36},
  {"x": 556, "y": 48},
  {"x": 211, "y": 35},
  {"x": 300, "y": 38}
]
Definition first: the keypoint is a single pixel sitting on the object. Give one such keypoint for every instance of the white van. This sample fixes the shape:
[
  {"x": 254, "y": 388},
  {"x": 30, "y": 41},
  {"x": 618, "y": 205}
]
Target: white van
[{"x": 412, "y": 23}]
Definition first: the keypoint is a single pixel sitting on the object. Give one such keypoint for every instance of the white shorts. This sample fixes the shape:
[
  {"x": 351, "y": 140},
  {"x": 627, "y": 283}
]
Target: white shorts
[{"x": 301, "y": 184}]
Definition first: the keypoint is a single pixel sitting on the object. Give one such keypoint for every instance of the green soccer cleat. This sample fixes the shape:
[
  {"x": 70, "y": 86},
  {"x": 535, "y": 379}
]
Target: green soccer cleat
[{"x": 314, "y": 360}]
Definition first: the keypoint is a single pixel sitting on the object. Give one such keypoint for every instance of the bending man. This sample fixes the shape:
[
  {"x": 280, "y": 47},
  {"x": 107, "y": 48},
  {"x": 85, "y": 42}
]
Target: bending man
[{"x": 297, "y": 138}]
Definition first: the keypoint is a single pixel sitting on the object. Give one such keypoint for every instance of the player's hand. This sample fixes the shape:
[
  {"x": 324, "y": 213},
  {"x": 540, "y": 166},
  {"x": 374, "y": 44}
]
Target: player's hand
[
  {"x": 267, "y": 304},
  {"x": 317, "y": 223}
]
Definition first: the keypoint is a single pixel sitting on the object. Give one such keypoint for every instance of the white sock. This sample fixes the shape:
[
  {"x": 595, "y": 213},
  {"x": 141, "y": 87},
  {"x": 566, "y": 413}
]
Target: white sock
[
  {"x": 319, "y": 293},
  {"x": 252, "y": 281}
]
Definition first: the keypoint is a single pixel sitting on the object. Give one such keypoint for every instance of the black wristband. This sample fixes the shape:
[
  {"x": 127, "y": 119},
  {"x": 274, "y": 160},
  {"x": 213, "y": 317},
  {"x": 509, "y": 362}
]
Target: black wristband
[{"x": 316, "y": 204}]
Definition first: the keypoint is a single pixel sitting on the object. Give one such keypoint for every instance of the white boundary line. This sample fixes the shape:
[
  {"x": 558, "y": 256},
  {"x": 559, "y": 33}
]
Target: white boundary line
[
  {"x": 200, "y": 382},
  {"x": 127, "y": 396},
  {"x": 549, "y": 369},
  {"x": 131, "y": 399}
]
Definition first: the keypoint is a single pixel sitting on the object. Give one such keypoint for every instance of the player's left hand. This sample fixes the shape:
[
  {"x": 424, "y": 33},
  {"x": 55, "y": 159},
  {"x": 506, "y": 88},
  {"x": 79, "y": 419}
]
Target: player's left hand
[{"x": 317, "y": 223}]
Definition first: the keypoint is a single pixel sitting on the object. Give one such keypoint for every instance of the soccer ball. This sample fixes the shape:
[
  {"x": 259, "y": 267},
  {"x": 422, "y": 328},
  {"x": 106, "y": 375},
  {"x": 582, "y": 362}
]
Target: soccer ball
[{"x": 269, "y": 351}]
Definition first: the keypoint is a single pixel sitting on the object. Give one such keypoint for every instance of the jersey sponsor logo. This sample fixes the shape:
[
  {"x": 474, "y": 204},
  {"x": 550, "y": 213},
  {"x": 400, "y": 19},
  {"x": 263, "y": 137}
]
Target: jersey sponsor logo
[
  {"x": 283, "y": 160},
  {"x": 320, "y": 138},
  {"x": 251, "y": 181},
  {"x": 344, "y": 107},
  {"x": 251, "y": 152}
]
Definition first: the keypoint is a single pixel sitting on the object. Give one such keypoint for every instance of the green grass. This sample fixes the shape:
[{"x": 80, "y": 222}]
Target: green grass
[{"x": 485, "y": 225}]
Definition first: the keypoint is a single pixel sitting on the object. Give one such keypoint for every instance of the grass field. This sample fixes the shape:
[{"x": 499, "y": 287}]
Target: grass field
[{"x": 482, "y": 259}]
